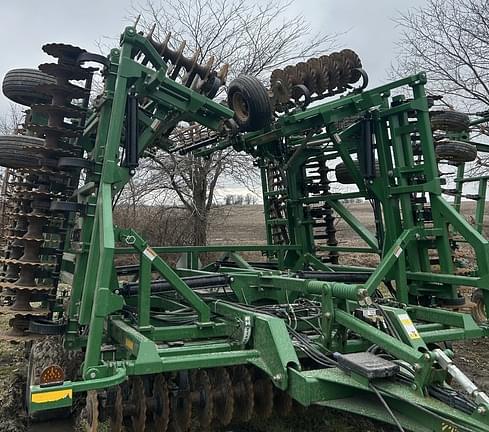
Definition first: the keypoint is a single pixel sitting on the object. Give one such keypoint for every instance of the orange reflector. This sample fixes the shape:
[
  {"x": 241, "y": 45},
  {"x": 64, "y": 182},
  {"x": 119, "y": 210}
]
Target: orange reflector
[{"x": 51, "y": 375}]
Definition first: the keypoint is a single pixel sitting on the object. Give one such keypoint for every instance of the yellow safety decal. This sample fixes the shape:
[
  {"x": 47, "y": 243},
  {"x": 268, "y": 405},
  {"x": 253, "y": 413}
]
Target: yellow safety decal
[
  {"x": 129, "y": 344},
  {"x": 51, "y": 396},
  {"x": 447, "y": 427},
  {"x": 409, "y": 326}
]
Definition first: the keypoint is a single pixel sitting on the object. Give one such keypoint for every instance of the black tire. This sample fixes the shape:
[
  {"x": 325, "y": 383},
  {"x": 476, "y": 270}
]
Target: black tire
[
  {"x": 449, "y": 121},
  {"x": 21, "y": 86},
  {"x": 44, "y": 353},
  {"x": 46, "y": 327},
  {"x": 249, "y": 100},
  {"x": 456, "y": 151},
  {"x": 343, "y": 174},
  {"x": 21, "y": 151},
  {"x": 479, "y": 310}
]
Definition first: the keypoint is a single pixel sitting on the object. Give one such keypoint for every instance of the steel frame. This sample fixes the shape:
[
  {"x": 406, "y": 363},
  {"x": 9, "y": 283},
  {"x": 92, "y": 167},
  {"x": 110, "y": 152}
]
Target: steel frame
[{"x": 228, "y": 333}]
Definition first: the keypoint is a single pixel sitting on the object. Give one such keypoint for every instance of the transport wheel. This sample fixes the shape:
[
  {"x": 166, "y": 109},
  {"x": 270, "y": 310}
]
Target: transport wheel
[
  {"x": 22, "y": 86},
  {"x": 343, "y": 174},
  {"x": 222, "y": 388},
  {"x": 19, "y": 151},
  {"x": 249, "y": 100},
  {"x": 456, "y": 151},
  {"x": 450, "y": 121},
  {"x": 479, "y": 310},
  {"x": 243, "y": 394},
  {"x": 44, "y": 353}
]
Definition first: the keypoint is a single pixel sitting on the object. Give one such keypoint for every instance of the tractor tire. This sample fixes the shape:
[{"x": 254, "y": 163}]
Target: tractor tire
[
  {"x": 249, "y": 100},
  {"x": 44, "y": 353},
  {"x": 449, "y": 121},
  {"x": 20, "y": 151},
  {"x": 343, "y": 174},
  {"x": 479, "y": 310},
  {"x": 21, "y": 86},
  {"x": 456, "y": 151}
]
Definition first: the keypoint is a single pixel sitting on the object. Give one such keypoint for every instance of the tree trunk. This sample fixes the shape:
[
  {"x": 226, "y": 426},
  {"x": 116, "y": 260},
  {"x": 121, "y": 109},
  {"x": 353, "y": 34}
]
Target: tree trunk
[
  {"x": 199, "y": 230},
  {"x": 200, "y": 212}
]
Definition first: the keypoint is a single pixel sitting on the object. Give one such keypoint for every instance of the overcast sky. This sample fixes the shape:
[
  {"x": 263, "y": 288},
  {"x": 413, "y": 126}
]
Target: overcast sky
[
  {"x": 366, "y": 27},
  {"x": 28, "y": 24}
]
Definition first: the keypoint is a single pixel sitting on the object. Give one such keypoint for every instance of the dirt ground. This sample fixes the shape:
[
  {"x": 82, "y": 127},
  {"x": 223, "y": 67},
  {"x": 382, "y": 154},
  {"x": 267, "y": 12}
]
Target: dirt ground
[{"x": 244, "y": 225}]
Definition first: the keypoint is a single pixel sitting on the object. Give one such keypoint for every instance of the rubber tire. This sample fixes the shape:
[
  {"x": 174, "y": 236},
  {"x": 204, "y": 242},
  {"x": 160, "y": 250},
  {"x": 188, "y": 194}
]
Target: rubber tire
[
  {"x": 258, "y": 109},
  {"x": 343, "y": 174},
  {"x": 449, "y": 121},
  {"x": 44, "y": 353},
  {"x": 44, "y": 326},
  {"x": 456, "y": 151},
  {"x": 20, "y": 86},
  {"x": 21, "y": 151}
]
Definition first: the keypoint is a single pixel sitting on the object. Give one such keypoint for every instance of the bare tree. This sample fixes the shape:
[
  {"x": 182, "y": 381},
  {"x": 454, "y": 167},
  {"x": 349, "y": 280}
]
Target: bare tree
[
  {"x": 11, "y": 119},
  {"x": 449, "y": 39},
  {"x": 251, "y": 37}
]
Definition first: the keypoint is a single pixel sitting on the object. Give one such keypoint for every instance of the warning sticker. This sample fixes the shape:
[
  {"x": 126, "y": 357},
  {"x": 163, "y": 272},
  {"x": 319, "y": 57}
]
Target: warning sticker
[
  {"x": 129, "y": 344},
  {"x": 409, "y": 326},
  {"x": 447, "y": 427},
  {"x": 149, "y": 253},
  {"x": 398, "y": 252}
]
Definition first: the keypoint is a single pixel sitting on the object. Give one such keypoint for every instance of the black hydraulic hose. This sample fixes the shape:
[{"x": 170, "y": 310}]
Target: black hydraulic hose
[
  {"x": 194, "y": 282},
  {"x": 127, "y": 269},
  {"x": 352, "y": 277},
  {"x": 264, "y": 265},
  {"x": 387, "y": 407}
]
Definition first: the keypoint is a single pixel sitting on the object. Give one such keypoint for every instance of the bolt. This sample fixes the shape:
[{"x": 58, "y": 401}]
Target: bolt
[
  {"x": 427, "y": 356},
  {"x": 414, "y": 387},
  {"x": 327, "y": 315},
  {"x": 93, "y": 375},
  {"x": 116, "y": 291},
  {"x": 417, "y": 367},
  {"x": 481, "y": 410},
  {"x": 278, "y": 377},
  {"x": 418, "y": 236}
]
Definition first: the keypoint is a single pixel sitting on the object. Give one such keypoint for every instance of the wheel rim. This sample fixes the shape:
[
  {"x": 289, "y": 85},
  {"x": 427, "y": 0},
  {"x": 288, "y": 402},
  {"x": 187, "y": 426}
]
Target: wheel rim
[{"x": 240, "y": 107}]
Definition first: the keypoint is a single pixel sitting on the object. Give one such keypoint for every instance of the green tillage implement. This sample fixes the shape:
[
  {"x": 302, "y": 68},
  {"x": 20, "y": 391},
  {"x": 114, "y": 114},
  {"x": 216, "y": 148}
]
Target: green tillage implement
[{"x": 128, "y": 331}]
